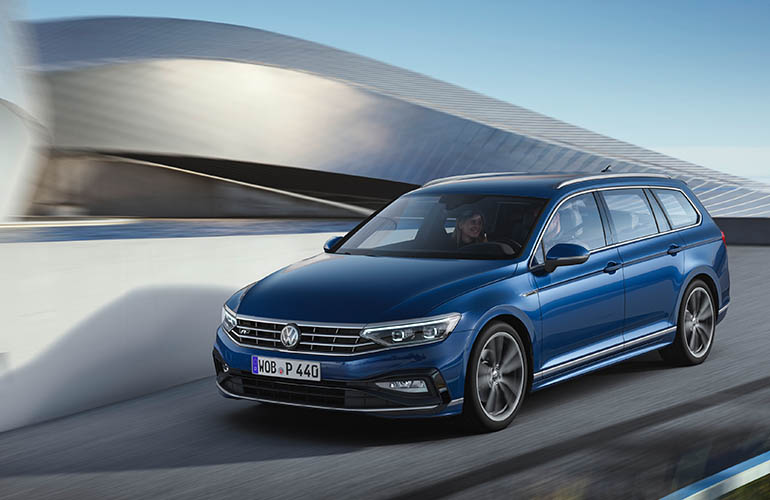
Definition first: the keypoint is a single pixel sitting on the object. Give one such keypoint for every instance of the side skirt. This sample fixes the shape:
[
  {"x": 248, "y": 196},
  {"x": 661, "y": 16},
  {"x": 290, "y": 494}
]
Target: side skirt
[{"x": 604, "y": 358}]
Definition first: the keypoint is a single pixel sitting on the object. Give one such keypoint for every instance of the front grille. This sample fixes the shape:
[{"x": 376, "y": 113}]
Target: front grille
[
  {"x": 314, "y": 339},
  {"x": 287, "y": 391}
]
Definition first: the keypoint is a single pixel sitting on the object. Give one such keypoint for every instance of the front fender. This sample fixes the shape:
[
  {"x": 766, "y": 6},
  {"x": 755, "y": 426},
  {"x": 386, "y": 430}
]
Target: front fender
[{"x": 509, "y": 297}]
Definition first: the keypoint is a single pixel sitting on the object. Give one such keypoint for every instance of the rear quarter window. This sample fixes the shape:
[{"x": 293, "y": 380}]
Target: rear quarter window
[{"x": 678, "y": 208}]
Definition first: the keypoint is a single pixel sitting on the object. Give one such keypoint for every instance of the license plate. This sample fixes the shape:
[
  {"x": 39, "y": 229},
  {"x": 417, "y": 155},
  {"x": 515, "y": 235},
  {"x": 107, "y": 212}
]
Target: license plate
[{"x": 285, "y": 368}]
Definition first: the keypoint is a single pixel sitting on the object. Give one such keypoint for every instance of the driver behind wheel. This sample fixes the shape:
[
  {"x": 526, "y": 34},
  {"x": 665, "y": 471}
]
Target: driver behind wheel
[{"x": 469, "y": 229}]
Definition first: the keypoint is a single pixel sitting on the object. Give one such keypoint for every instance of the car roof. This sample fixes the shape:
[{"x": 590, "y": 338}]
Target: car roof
[{"x": 543, "y": 185}]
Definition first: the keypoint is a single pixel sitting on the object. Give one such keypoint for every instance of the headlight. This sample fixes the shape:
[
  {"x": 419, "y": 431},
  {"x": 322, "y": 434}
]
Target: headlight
[
  {"x": 228, "y": 319},
  {"x": 421, "y": 331}
]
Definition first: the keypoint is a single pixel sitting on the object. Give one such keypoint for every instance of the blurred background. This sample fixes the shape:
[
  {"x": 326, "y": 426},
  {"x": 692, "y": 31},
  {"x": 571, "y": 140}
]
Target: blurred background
[{"x": 157, "y": 156}]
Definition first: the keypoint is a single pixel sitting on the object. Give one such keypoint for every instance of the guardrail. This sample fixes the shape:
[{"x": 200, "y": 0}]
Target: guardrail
[{"x": 725, "y": 481}]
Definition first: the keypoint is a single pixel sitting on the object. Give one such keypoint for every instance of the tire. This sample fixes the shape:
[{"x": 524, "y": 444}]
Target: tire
[
  {"x": 692, "y": 345},
  {"x": 498, "y": 346}
]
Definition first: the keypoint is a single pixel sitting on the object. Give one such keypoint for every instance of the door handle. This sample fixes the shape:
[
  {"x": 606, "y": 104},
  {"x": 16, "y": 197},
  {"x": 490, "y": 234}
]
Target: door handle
[
  {"x": 674, "y": 249},
  {"x": 611, "y": 267}
]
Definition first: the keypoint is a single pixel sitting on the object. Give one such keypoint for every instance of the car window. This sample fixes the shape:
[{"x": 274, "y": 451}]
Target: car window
[
  {"x": 448, "y": 225},
  {"x": 678, "y": 208},
  {"x": 660, "y": 217},
  {"x": 576, "y": 221},
  {"x": 398, "y": 226},
  {"x": 630, "y": 214}
]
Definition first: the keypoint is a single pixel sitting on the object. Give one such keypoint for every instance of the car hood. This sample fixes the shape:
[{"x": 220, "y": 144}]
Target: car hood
[{"x": 333, "y": 288}]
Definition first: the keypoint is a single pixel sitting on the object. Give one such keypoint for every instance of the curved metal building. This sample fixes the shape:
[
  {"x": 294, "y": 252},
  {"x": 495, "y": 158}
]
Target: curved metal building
[
  {"x": 22, "y": 120},
  {"x": 295, "y": 118}
]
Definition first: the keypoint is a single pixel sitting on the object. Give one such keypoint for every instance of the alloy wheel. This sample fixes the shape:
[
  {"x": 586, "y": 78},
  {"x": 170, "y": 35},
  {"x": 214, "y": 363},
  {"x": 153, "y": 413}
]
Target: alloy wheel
[
  {"x": 699, "y": 322},
  {"x": 500, "y": 376}
]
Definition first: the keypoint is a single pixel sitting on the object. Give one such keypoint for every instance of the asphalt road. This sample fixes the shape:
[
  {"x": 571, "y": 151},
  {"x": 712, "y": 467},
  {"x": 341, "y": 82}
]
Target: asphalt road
[{"x": 636, "y": 430}]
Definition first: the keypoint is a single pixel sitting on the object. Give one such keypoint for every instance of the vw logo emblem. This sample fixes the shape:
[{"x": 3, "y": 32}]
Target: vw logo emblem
[{"x": 290, "y": 336}]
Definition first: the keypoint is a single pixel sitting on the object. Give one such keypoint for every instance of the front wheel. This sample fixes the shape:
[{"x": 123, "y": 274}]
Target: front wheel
[
  {"x": 496, "y": 379},
  {"x": 695, "y": 328}
]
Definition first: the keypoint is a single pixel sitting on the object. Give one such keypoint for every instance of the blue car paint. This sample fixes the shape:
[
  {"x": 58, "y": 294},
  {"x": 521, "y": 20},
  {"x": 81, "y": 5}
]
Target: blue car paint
[
  {"x": 572, "y": 313},
  {"x": 581, "y": 309},
  {"x": 366, "y": 289},
  {"x": 653, "y": 278}
]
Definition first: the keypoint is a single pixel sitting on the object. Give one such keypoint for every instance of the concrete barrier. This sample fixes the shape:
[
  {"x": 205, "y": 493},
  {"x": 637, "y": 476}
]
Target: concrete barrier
[{"x": 87, "y": 323}]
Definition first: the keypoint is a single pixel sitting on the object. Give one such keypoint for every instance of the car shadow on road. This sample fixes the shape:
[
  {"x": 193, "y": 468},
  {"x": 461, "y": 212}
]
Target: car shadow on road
[
  {"x": 648, "y": 362},
  {"x": 353, "y": 429}
]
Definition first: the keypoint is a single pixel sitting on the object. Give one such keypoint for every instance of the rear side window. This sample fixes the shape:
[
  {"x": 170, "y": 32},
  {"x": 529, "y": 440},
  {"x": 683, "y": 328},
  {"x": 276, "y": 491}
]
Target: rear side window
[
  {"x": 663, "y": 224},
  {"x": 678, "y": 208},
  {"x": 630, "y": 214}
]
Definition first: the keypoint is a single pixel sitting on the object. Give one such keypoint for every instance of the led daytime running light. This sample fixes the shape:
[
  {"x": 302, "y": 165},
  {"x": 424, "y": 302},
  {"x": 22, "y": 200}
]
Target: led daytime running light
[{"x": 420, "y": 331}]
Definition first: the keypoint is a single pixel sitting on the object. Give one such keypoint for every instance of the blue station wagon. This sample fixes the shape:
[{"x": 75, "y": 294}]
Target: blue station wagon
[{"x": 462, "y": 296}]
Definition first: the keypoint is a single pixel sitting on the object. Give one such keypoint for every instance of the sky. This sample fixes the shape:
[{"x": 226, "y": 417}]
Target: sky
[{"x": 686, "y": 78}]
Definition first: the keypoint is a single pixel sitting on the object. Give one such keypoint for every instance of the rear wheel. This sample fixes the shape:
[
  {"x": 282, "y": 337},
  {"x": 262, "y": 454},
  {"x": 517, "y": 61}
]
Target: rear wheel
[
  {"x": 695, "y": 328},
  {"x": 496, "y": 379}
]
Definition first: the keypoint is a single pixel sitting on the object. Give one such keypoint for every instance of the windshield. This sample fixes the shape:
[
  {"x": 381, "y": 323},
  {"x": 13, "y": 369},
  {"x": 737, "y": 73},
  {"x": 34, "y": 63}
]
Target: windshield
[{"x": 465, "y": 226}]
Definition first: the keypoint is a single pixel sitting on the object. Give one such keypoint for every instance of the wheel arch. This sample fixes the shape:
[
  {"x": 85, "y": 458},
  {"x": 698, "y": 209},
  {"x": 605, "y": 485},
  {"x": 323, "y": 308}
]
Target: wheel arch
[
  {"x": 707, "y": 276},
  {"x": 515, "y": 321},
  {"x": 711, "y": 284}
]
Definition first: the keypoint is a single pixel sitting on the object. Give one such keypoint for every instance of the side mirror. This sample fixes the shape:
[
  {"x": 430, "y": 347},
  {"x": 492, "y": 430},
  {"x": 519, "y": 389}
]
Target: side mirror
[
  {"x": 331, "y": 243},
  {"x": 565, "y": 254}
]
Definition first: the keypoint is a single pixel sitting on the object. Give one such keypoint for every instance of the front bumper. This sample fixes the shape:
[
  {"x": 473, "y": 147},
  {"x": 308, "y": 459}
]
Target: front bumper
[{"x": 349, "y": 382}]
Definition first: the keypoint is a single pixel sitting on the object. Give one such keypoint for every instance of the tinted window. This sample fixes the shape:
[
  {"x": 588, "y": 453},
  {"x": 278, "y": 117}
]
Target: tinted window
[
  {"x": 679, "y": 210},
  {"x": 576, "y": 221},
  {"x": 452, "y": 225},
  {"x": 659, "y": 215},
  {"x": 630, "y": 214}
]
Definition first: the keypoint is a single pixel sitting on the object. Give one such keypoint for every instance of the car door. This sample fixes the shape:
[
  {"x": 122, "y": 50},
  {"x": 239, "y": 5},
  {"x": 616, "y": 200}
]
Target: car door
[
  {"x": 581, "y": 305},
  {"x": 651, "y": 257}
]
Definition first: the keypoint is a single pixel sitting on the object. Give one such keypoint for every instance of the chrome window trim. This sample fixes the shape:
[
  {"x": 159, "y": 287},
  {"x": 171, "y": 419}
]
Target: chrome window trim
[
  {"x": 604, "y": 352},
  {"x": 614, "y": 245},
  {"x": 354, "y": 410},
  {"x": 608, "y": 176},
  {"x": 668, "y": 217}
]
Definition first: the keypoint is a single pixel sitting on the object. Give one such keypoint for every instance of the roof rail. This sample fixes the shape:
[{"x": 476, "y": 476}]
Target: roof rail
[
  {"x": 471, "y": 176},
  {"x": 607, "y": 176}
]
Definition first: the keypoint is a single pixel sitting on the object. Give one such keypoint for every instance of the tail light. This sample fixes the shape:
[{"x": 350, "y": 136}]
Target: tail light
[{"x": 724, "y": 240}]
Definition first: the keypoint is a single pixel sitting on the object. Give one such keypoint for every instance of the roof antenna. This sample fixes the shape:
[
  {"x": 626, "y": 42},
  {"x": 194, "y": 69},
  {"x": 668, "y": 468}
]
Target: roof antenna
[{"x": 607, "y": 168}]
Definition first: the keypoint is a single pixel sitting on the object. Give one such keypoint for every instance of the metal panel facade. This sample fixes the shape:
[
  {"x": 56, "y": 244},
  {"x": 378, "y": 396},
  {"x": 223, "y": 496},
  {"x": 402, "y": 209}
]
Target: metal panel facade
[{"x": 216, "y": 90}]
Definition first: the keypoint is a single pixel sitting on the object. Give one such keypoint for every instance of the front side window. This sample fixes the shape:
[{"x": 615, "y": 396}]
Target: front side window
[
  {"x": 678, "y": 208},
  {"x": 576, "y": 221},
  {"x": 630, "y": 214},
  {"x": 452, "y": 225}
]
